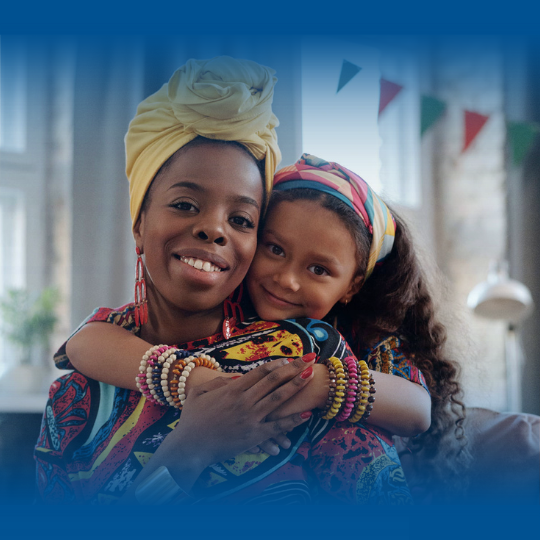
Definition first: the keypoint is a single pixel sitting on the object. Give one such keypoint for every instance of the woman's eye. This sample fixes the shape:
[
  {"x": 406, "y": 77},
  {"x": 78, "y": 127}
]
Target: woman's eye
[
  {"x": 318, "y": 270},
  {"x": 185, "y": 206},
  {"x": 243, "y": 222},
  {"x": 276, "y": 250}
]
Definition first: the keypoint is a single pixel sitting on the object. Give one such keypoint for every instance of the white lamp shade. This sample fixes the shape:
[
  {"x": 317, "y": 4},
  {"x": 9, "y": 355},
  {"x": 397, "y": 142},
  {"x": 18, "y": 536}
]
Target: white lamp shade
[{"x": 501, "y": 298}]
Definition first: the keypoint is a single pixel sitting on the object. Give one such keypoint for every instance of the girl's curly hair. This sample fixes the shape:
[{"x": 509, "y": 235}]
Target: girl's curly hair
[{"x": 396, "y": 299}]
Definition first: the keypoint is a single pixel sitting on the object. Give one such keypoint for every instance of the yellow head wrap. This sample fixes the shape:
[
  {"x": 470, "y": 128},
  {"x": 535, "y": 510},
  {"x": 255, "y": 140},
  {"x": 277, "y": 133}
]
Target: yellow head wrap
[{"x": 222, "y": 98}]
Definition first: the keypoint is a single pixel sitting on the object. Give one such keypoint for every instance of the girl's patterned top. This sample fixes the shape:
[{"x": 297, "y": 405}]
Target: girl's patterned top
[{"x": 96, "y": 438}]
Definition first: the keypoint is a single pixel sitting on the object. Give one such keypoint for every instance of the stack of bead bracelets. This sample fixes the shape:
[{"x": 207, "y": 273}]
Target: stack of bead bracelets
[
  {"x": 156, "y": 365},
  {"x": 350, "y": 396}
]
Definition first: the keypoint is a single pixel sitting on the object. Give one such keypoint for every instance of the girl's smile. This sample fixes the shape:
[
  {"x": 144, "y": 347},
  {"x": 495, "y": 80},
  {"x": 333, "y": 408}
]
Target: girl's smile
[{"x": 305, "y": 263}]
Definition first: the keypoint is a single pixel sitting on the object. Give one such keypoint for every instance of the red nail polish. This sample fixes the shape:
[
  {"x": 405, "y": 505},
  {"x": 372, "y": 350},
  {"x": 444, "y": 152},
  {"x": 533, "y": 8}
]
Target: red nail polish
[
  {"x": 305, "y": 415},
  {"x": 307, "y": 372},
  {"x": 236, "y": 377},
  {"x": 309, "y": 357},
  {"x": 290, "y": 360}
]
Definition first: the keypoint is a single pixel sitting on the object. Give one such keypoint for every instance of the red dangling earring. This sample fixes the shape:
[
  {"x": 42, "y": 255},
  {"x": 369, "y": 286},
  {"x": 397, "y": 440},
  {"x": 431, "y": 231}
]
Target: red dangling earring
[
  {"x": 141, "y": 308},
  {"x": 233, "y": 312}
]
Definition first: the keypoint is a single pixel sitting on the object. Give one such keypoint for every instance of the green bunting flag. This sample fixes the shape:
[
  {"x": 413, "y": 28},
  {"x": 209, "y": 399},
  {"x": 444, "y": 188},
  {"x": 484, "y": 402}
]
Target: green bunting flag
[
  {"x": 521, "y": 136},
  {"x": 430, "y": 109},
  {"x": 348, "y": 71}
]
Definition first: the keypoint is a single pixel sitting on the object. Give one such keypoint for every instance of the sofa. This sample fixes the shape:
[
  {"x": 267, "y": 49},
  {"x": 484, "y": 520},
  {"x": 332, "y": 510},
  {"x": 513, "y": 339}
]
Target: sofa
[{"x": 505, "y": 466}]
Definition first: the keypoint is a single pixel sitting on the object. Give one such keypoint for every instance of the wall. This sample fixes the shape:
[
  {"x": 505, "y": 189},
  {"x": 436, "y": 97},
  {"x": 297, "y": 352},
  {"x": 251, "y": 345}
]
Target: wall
[
  {"x": 523, "y": 89},
  {"x": 470, "y": 203}
]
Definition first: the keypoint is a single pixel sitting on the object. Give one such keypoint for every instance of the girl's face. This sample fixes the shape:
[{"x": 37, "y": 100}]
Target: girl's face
[
  {"x": 198, "y": 232},
  {"x": 305, "y": 263}
]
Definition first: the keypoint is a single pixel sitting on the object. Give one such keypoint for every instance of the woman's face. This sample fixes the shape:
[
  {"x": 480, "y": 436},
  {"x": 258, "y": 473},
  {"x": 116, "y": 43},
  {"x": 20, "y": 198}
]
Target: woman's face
[
  {"x": 305, "y": 263},
  {"x": 198, "y": 231}
]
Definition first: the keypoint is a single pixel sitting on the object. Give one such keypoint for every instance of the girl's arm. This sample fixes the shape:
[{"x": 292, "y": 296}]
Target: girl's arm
[{"x": 110, "y": 354}]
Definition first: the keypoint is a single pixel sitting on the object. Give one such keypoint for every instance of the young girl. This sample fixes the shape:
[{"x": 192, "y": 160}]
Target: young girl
[{"x": 313, "y": 259}]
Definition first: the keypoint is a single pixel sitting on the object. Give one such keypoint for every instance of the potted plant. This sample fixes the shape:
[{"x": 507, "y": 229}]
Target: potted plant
[{"x": 28, "y": 322}]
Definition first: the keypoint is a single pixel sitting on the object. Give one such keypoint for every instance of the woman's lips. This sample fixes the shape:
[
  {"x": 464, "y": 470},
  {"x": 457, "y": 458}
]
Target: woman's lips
[
  {"x": 205, "y": 256},
  {"x": 276, "y": 300}
]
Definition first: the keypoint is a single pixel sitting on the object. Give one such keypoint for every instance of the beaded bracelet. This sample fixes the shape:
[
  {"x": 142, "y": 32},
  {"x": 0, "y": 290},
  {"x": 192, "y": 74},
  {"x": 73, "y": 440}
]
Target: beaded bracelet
[
  {"x": 160, "y": 373},
  {"x": 194, "y": 361},
  {"x": 147, "y": 362},
  {"x": 363, "y": 393},
  {"x": 174, "y": 360},
  {"x": 331, "y": 390},
  {"x": 340, "y": 387},
  {"x": 176, "y": 371},
  {"x": 371, "y": 398},
  {"x": 352, "y": 386},
  {"x": 180, "y": 372}
]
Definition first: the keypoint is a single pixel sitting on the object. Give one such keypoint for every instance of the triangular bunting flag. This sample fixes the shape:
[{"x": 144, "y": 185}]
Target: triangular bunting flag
[
  {"x": 348, "y": 71},
  {"x": 474, "y": 122},
  {"x": 389, "y": 91},
  {"x": 520, "y": 136},
  {"x": 430, "y": 111}
]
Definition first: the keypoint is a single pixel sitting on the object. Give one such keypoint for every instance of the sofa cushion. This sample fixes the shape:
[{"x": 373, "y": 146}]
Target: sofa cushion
[{"x": 505, "y": 465}]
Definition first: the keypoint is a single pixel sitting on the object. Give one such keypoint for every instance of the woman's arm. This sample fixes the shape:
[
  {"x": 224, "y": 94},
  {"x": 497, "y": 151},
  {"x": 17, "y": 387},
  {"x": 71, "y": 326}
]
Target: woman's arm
[
  {"x": 110, "y": 354},
  {"x": 401, "y": 406}
]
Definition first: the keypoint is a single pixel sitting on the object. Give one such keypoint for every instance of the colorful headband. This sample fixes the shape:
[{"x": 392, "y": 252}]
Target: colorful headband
[{"x": 315, "y": 173}]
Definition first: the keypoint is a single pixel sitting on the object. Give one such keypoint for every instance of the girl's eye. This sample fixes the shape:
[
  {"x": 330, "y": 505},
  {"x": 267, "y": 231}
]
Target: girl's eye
[
  {"x": 318, "y": 270},
  {"x": 276, "y": 250},
  {"x": 243, "y": 222}
]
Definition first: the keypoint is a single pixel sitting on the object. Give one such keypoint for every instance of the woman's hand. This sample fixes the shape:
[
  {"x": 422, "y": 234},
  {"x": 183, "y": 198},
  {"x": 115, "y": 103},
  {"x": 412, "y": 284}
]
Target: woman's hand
[
  {"x": 224, "y": 417},
  {"x": 234, "y": 413},
  {"x": 312, "y": 396}
]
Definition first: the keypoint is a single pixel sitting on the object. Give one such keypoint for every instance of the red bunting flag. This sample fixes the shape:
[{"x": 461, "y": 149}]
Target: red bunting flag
[
  {"x": 474, "y": 122},
  {"x": 389, "y": 91}
]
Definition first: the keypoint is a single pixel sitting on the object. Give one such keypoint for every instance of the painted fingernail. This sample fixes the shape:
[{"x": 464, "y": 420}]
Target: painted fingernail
[
  {"x": 309, "y": 357},
  {"x": 236, "y": 377},
  {"x": 307, "y": 372},
  {"x": 305, "y": 415},
  {"x": 289, "y": 360}
]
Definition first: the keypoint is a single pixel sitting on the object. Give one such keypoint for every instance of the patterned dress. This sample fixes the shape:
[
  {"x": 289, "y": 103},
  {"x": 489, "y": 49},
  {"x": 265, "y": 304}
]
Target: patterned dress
[{"x": 96, "y": 438}]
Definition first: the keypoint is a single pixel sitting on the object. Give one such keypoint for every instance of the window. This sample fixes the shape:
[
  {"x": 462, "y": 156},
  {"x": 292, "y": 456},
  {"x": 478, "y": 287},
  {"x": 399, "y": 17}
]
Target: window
[
  {"x": 22, "y": 172},
  {"x": 342, "y": 125},
  {"x": 12, "y": 94}
]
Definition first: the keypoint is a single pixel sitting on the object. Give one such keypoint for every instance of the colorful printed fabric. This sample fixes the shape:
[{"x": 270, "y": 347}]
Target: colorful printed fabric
[
  {"x": 95, "y": 438},
  {"x": 315, "y": 173}
]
